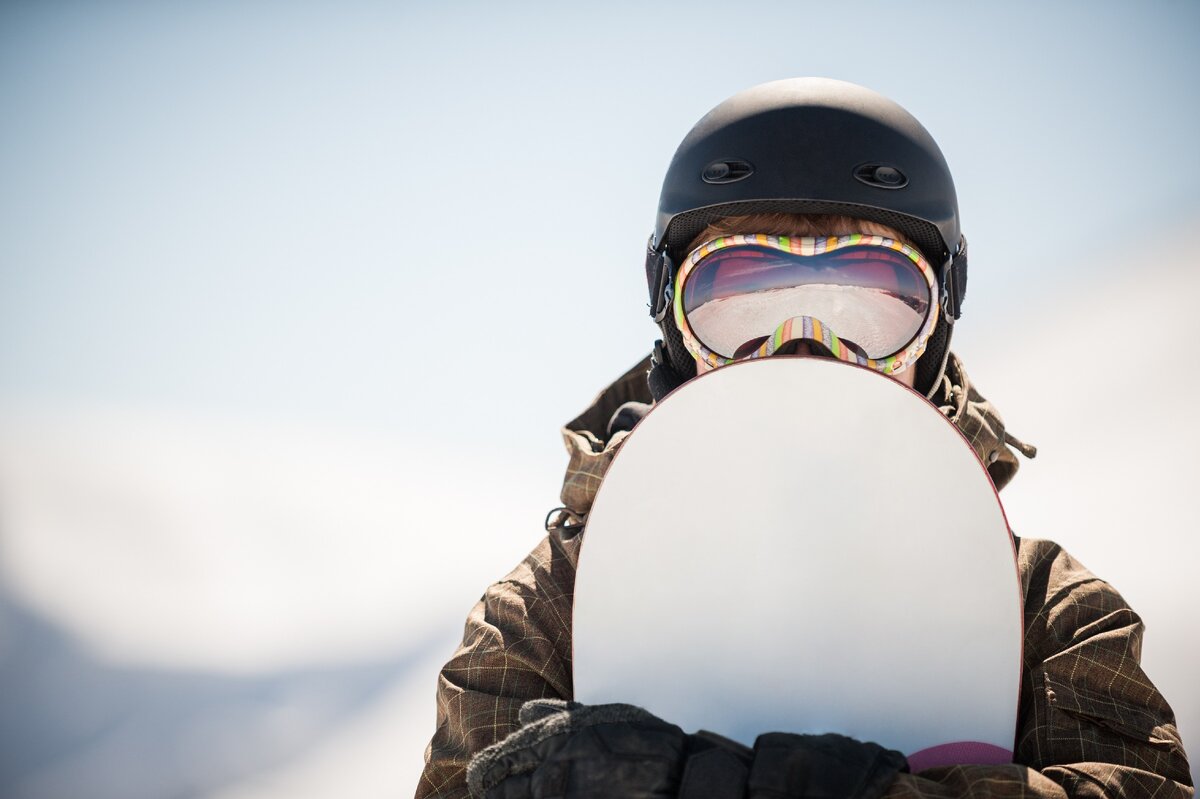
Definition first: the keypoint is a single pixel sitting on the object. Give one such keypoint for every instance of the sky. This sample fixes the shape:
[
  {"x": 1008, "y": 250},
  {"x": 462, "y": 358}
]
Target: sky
[{"x": 294, "y": 296}]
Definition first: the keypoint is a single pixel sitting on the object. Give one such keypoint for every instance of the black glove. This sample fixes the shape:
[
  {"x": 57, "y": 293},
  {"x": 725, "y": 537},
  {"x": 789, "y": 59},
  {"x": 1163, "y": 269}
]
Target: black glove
[
  {"x": 787, "y": 765},
  {"x": 565, "y": 749}
]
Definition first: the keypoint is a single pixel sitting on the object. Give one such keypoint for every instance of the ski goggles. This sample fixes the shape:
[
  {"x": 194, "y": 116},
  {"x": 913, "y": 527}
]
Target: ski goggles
[{"x": 869, "y": 300}]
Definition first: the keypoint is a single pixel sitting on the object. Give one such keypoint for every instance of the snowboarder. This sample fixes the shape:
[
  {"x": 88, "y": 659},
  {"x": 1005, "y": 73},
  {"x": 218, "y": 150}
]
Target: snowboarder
[{"x": 790, "y": 172}]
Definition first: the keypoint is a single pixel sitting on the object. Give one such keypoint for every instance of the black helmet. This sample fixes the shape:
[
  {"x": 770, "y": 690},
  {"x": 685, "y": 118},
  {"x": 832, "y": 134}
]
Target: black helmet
[{"x": 811, "y": 146}]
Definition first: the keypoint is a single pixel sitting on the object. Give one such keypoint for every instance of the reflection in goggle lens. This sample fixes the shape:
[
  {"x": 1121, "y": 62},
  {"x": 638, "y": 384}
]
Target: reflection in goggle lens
[{"x": 873, "y": 296}]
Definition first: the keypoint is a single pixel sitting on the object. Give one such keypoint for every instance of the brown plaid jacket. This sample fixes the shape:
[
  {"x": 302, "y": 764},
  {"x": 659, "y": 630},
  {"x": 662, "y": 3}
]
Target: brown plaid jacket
[{"x": 1090, "y": 722}]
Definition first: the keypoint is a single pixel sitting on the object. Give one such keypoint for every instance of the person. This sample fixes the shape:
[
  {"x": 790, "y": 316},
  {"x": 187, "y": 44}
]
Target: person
[{"x": 790, "y": 184}]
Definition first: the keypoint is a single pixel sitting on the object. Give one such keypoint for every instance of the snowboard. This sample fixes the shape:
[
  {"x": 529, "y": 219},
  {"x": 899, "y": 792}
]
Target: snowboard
[{"x": 799, "y": 544}]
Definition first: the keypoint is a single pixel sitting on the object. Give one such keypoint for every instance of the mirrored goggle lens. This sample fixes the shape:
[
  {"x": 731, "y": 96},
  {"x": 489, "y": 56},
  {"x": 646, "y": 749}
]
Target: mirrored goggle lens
[{"x": 872, "y": 296}]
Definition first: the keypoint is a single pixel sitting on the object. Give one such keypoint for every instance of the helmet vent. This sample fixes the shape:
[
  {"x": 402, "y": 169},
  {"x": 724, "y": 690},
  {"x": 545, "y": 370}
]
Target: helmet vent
[
  {"x": 730, "y": 171},
  {"x": 881, "y": 176}
]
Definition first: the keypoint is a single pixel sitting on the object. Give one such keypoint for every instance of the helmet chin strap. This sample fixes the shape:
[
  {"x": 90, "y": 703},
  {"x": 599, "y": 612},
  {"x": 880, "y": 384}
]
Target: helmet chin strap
[
  {"x": 931, "y": 366},
  {"x": 932, "y": 363}
]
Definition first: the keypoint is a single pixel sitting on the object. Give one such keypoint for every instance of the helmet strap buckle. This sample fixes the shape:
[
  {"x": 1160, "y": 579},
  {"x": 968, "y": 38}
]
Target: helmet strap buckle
[
  {"x": 664, "y": 293},
  {"x": 949, "y": 311},
  {"x": 954, "y": 282}
]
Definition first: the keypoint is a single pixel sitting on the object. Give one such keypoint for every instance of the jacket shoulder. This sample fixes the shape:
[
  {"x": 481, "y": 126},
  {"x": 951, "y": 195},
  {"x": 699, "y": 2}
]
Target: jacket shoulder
[
  {"x": 1086, "y": 700},
  {"x": 1063, "y": 599},
  {"x": 516, "y": 646}
]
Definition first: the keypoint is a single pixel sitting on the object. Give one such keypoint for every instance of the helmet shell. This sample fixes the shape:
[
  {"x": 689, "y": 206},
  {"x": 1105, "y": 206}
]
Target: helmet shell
[{"x": 810, "y": 145}]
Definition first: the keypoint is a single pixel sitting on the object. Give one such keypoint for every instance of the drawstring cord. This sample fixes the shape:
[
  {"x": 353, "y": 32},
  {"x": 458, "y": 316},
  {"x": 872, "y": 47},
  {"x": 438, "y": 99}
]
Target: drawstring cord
[{"x": 565, "y": 521}]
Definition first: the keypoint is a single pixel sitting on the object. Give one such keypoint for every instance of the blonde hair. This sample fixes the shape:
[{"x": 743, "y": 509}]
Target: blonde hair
[{"x": 782, "y": 224}]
